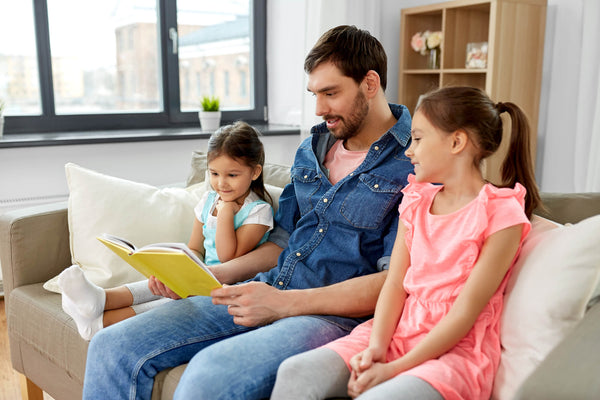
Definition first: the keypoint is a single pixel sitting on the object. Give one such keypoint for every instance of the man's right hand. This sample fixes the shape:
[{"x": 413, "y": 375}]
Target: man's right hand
[{"x": 160, "y": 289}]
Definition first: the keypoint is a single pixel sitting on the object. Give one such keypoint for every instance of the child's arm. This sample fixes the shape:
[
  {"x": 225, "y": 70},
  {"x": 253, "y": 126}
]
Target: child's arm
[
  {"x": 495, "y": 259},
  {"x": 389, "y": 306},
  {"x": 196, "y": 242},
  {"x": 232, "y": 243}
]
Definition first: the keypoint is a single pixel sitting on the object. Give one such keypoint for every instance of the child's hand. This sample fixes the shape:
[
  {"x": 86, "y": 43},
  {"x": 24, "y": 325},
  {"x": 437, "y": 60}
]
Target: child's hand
[
  {"x": 160, "y": 289},
  {"x": 365, "y": 359},
  {"x": 376, "y": 374},
  {"x": 231, "y": 206},
  {"x": 365, "y": 368}
]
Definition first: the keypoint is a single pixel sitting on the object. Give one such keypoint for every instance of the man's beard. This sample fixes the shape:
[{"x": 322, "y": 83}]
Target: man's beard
[{"x": 351, "y": 125}]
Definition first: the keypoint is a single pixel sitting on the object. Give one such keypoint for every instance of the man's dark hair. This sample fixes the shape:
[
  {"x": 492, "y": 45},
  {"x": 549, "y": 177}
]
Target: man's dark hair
[{"x": 354, "y": 51}]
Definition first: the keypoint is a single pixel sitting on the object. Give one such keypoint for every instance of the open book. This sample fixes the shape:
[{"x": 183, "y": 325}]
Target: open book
[{"x": 174, "y": 264}]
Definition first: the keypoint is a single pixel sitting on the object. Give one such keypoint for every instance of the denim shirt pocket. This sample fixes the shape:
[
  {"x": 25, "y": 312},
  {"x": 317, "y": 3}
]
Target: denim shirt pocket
[
  {"x": 370, "y": 201},
  {"x": 306, "y": 183}
]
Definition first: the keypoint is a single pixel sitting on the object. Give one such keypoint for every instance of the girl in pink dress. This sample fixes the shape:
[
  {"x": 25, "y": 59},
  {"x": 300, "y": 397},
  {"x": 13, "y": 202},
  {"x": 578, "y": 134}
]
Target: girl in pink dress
[{"x": 435, "y": 333}]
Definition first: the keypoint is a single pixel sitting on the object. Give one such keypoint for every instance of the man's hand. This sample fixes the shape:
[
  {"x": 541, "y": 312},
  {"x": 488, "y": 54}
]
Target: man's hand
[
  {"x": 160, "y": 289},
  {"x": 252, "y": 303}
]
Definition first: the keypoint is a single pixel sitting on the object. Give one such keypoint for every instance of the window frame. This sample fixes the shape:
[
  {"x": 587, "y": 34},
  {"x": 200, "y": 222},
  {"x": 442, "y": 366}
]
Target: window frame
[{"x": 171, "y": 116}]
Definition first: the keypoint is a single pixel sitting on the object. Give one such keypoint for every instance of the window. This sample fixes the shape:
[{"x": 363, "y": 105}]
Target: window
[
  {"x": 121, "y": 64},
  {"x": 19, "y": 85}
]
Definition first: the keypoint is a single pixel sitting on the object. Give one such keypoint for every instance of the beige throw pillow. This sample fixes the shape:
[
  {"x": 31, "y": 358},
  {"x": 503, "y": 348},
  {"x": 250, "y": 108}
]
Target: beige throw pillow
[
  {"x": 141, "y": 213},
  {"x": 546, "y": 296}
]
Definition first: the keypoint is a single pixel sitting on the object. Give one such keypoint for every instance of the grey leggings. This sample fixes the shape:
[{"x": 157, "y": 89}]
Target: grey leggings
[
  {"x": 143, "y": 299},
  {"x": 322, "y": 373}
]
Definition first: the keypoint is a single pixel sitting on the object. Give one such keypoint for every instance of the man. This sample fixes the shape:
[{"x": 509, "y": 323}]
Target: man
[{"x": 336, "y": 226}]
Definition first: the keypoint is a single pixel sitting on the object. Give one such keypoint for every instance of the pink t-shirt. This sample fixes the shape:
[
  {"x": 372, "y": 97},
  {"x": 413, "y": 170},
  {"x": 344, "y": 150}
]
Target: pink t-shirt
[
  {"x": 340, "y": 162},
  {"x": 443, "y": 251}
]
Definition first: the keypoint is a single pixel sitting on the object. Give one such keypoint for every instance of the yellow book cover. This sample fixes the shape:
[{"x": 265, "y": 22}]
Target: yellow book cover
[{"x": 174, "y": 264}]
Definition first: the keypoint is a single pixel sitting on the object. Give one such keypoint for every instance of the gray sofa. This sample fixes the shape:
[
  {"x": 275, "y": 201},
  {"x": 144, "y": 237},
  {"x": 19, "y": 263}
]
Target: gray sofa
[{"x": 47, "y": 350}]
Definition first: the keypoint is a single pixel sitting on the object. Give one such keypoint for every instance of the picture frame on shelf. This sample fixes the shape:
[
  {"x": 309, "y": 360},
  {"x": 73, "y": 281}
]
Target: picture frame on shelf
[{"x": 476, "y": 55}]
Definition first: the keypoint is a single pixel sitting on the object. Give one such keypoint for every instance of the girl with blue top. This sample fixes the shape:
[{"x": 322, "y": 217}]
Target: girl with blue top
[{"x": 231, "y": 220}]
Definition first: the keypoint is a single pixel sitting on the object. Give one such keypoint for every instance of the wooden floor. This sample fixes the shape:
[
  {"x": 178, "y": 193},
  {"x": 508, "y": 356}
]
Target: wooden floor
[{"x": 9, "y": 378}]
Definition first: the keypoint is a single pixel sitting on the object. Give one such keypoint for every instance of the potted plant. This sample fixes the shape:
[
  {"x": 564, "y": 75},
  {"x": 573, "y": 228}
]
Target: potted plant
[
  {"x": 2, "y": 105},
  {"x": 210, "y": 115}
]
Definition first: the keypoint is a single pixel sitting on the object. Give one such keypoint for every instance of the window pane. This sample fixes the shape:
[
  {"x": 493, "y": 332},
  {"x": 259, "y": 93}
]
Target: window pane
[
  {"x": 215, "y": 52},
  {"x": 19, "y": 81},
  {"x": 104, "y": 56}
]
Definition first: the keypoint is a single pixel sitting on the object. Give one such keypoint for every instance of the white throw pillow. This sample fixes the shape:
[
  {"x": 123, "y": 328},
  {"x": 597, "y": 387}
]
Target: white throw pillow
[
  {"x": 546, "y": 296},
  {"x": 141, "y": 213}
]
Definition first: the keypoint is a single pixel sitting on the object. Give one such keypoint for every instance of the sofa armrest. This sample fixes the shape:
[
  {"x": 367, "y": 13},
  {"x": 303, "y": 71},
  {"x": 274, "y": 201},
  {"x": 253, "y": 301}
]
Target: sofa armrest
[
  {"x": 572, "y": 368},
  {"x": 34, "y": 244}
]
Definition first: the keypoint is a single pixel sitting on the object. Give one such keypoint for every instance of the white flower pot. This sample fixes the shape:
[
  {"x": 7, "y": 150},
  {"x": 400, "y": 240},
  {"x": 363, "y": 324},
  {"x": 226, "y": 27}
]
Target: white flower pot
[{"x": 209, "y": 120}]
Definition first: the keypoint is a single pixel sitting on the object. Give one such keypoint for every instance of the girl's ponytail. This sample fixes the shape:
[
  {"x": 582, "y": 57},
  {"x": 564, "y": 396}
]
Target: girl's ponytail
[{"x": 518, "y": 164}]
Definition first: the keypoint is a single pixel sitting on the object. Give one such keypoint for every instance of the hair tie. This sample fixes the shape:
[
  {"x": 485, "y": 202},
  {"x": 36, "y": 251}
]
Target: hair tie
[{"x": 501, "y": 107}]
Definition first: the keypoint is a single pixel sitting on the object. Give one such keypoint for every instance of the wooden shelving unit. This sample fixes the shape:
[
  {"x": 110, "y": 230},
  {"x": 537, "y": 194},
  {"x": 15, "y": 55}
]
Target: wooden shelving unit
[{"x": 514, "y": 31}]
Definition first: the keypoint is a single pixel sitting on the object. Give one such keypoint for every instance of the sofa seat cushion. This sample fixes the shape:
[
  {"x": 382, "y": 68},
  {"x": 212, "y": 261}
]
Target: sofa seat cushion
[
  {"x": 165, "y": 383},
  {"x": 39, "y": 327}
]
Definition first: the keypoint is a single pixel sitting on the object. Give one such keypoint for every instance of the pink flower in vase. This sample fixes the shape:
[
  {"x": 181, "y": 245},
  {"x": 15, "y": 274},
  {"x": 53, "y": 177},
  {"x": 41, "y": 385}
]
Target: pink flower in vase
[{"x": 418, "y": 43}]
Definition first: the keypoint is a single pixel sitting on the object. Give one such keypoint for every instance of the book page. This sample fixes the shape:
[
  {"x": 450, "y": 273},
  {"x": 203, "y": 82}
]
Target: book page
[{"x": 119, "y": 241}]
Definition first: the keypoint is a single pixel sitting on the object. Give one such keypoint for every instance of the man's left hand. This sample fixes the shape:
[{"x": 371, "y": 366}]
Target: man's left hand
[{"x": 252, "y": 303}]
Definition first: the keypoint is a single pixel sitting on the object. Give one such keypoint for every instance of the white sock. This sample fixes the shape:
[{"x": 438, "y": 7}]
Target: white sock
[
  {"x": 87, "y": 327},
  {"x": 86, "y": 297}
]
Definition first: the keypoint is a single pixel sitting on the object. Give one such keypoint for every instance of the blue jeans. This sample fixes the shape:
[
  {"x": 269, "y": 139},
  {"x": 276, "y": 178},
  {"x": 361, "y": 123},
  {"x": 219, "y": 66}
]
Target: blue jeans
[{"x": 226, "y": 361}]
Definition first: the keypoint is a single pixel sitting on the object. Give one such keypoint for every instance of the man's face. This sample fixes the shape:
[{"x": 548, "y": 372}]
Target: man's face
[{"x": 340, "y": 100}]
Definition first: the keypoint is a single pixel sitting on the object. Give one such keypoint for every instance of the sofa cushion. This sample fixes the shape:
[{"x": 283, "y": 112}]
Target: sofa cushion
[
  {"x": 273, "y": 174},
  {"x": 139, "y": 212},
  {"x": 198, "y": 169},
  {"x": 546, "y": 296}
]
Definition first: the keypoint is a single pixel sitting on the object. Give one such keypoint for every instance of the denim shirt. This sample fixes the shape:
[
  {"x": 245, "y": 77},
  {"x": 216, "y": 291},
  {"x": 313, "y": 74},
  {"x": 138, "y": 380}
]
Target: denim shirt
[{"x": 331, "y": 233}]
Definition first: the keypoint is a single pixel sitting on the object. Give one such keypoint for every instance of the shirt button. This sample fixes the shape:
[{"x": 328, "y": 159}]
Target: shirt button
[
  {"x": 305, "y": 176},
  {"x": 376, "y": 186},
  {"x": 321, "y": 230},
  {"x": 298, "y": 254},
  {"x": 376, "y": 147},
  {"x": 280, "y": 283},
  {"x": 324, "y": 200},
  {"x": 351, "y": 173}
]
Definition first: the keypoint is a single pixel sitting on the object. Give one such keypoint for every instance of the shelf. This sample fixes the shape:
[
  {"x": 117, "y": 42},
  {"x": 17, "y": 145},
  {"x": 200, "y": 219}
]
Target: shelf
[
  {"x": 446, "y": 71},
  {"x": 514, "y": 65}
]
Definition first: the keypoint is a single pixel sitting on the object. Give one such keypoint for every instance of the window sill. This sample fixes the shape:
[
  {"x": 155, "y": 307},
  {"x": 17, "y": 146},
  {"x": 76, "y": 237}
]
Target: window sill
[{"x": 141, "y": 135}]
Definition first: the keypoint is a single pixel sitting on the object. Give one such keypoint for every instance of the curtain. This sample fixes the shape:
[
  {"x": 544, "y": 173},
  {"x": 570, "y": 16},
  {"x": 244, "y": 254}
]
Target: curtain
[
  {"x": 322, "y": 15},
  {"x": 569, "y": 126},
  {"x": 591, "y": 60}
]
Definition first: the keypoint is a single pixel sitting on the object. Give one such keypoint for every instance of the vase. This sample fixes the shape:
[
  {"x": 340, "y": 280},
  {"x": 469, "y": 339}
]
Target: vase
[
  {"x": 433, "y": 58},
  {"x": 209, "y": 120}
]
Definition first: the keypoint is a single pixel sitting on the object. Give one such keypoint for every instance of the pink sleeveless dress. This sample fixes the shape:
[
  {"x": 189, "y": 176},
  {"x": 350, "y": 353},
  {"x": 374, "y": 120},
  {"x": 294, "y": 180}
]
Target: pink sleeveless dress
[{"x": 444, "y": 249}]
